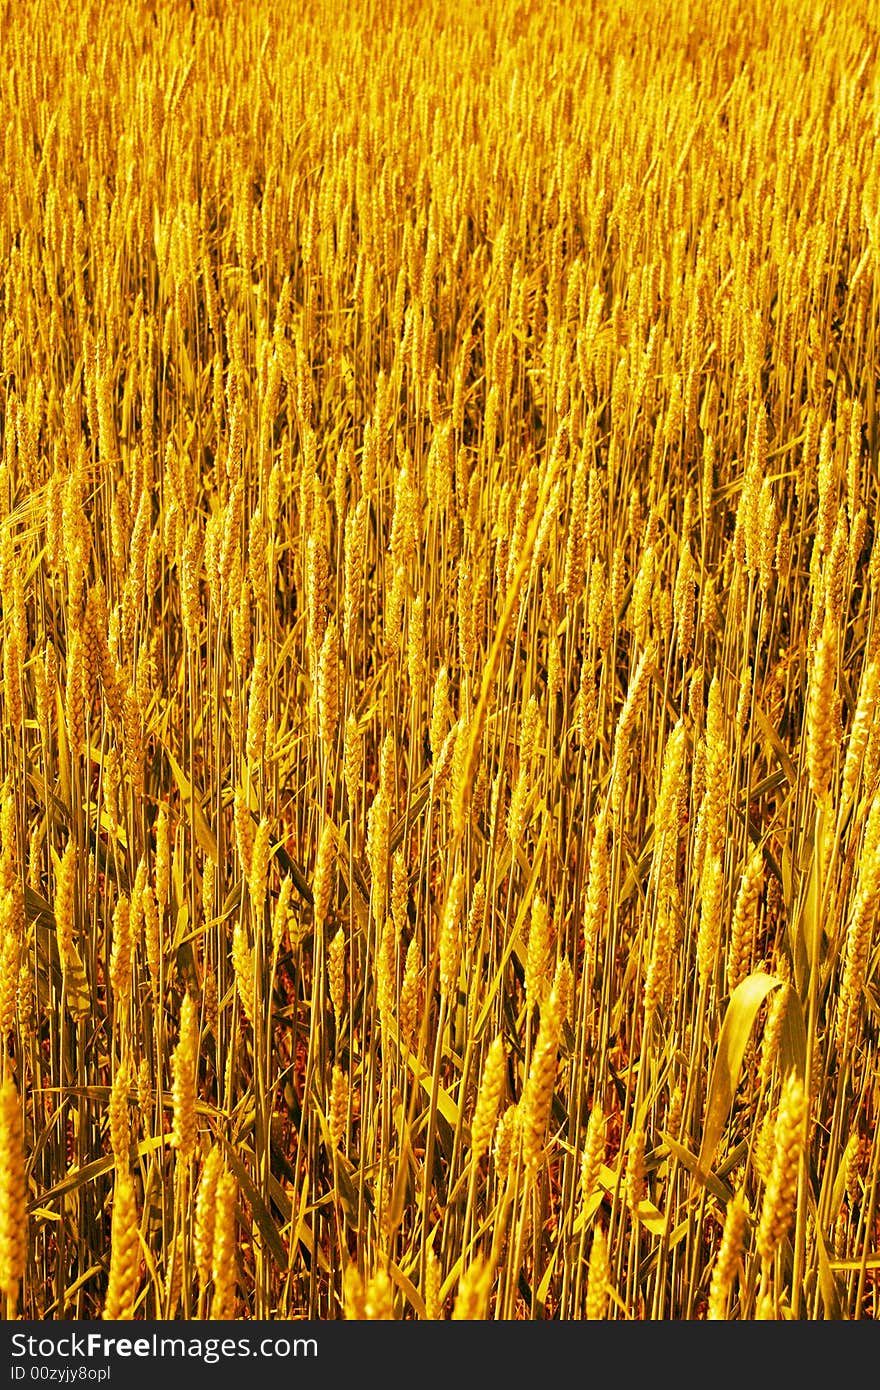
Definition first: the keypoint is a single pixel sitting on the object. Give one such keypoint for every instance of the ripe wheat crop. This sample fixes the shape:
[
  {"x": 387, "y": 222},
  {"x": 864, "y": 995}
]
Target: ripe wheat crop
[{"x": 439, "y": 733}]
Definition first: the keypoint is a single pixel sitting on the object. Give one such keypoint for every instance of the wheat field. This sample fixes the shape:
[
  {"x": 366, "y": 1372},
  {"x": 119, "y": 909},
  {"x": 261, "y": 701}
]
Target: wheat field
[{"x": 440, "y": 747}]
